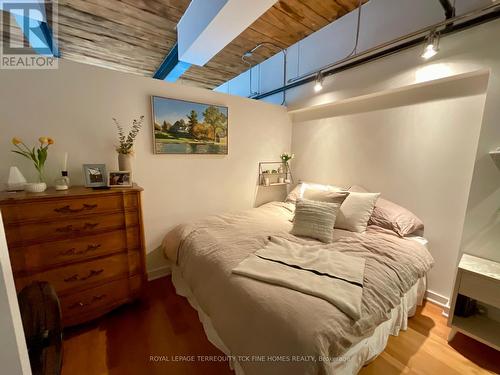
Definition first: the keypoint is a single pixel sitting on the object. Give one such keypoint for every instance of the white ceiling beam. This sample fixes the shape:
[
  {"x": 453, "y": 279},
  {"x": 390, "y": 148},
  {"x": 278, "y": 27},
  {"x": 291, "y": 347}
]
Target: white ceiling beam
[{"x": 208, "y": 26}]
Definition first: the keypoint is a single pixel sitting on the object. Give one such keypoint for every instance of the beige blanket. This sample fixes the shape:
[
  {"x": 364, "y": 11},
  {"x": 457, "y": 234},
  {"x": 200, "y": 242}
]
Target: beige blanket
[
  {"x": 312, "y": 269},
  {"x": 282, "y": 331}
]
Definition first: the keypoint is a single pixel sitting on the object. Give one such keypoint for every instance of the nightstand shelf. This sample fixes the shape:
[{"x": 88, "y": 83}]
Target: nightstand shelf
[
  {"x": 477, "y": 279},
  {"x": 480, "y": 328}
]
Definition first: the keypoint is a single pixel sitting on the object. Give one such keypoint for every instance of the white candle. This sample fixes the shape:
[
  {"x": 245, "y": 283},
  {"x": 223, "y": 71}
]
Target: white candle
[{"x": 65, "y": 163}]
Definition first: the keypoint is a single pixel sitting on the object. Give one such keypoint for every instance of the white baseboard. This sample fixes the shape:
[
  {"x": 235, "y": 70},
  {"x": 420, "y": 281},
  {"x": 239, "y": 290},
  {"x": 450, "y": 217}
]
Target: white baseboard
[
  {"x": 439, "y": 300},
  {"x": 158, "y": 272}
]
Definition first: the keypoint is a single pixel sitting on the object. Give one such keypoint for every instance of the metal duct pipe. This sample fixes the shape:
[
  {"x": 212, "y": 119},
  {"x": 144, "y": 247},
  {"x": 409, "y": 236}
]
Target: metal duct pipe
[
  {"x": 449, "y": 10},
  {"x": 469, "y": 19},
  {"x": 250, "y": 53}
]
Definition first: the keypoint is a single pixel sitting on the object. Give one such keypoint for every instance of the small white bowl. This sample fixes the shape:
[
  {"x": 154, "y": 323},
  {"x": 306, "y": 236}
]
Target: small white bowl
[{"x": 35, "y": 187}]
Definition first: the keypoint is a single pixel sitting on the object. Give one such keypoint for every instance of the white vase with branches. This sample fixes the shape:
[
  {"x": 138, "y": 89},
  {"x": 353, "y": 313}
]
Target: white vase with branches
[{"x": 125, "y": 146}]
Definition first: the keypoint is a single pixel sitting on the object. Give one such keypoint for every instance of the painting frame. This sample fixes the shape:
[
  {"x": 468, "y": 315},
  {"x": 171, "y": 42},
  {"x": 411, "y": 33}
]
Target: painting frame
[
  {"x": 86, "y": 175},
  {"x": 176, "y": 148}
]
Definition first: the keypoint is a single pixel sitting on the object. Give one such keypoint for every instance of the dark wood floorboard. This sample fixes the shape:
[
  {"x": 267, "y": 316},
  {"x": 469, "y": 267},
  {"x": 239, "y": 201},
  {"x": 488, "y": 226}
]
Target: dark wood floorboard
[
  {"x": 161, "y": 324},
  {"x": 164, "y": 324}
]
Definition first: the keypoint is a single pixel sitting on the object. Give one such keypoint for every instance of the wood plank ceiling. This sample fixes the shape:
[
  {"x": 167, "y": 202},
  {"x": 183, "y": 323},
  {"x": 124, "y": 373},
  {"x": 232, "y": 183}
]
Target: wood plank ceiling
[
  {"x": 135, "y": 35},
  {"x": 128, "y": 35}
]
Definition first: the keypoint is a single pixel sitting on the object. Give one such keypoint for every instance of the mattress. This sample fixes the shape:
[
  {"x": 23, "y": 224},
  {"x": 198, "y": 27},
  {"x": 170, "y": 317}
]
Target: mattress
[{"x": 295, "y": 332}]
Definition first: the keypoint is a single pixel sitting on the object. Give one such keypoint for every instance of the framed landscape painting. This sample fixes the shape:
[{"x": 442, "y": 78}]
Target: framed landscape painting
[{"x": 182, "y": 127}]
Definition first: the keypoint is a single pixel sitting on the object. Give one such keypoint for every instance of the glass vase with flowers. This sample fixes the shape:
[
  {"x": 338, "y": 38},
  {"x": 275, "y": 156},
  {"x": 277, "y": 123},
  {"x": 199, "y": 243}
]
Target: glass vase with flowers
[
  {"x": 285, "y": 158},
  {"x": 38, "y": 155}
]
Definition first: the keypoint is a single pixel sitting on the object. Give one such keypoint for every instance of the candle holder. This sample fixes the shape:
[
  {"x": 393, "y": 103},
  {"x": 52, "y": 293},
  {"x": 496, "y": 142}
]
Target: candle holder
[{"x": 62, "y": 183}]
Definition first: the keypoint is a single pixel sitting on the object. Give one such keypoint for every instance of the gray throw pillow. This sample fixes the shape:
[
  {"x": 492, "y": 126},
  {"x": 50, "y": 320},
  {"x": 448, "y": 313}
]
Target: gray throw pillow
[{"x": 315, "y": 219}]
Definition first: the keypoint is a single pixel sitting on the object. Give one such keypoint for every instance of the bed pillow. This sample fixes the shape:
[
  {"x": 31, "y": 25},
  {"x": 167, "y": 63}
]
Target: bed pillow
[
  {"x": 356, "y": 211},
  {"x": 392, "y": 216},
  {"x": 298, "y": 191},
  {"x": 294, "y": 194},
  {"x": 315, "y": 219},
  {"x": 325, "y": 196}
]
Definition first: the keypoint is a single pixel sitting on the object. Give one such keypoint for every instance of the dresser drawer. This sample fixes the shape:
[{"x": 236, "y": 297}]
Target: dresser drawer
[
  {"x": 49, "y": 254},
  {"x": 83, "y": 275},
  {"x": 93, "y": 302},
  {"x": 480, "y": 288},
  {"x": 22, "y": 235},
  {"x": 63, "y": 208}
]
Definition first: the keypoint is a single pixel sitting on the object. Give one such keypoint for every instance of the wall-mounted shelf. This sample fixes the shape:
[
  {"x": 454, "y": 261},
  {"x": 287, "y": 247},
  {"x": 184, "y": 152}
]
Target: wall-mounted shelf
[{"x": 274, "y": 173}]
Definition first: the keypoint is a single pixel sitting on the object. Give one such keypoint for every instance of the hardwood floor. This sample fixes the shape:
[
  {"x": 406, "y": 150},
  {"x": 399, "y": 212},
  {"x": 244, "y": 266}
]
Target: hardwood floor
[
  {"x": 423, "y": 349},
  {"x": 164, "y": 324}
]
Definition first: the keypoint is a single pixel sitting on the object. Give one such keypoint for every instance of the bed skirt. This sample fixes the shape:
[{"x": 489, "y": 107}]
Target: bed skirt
[{"x": 356, "y": 357}]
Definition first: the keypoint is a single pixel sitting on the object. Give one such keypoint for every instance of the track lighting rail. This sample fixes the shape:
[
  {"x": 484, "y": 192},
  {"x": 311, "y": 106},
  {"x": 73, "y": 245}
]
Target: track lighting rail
[{"x": 467, "y": 20}]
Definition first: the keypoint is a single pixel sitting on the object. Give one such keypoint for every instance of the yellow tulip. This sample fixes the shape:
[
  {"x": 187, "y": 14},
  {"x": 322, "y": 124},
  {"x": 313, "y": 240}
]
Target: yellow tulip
[
  {"x": 43, "y": 140},
  {"x": 16, "y": 141},
  {"x": 50, "y": 141}
]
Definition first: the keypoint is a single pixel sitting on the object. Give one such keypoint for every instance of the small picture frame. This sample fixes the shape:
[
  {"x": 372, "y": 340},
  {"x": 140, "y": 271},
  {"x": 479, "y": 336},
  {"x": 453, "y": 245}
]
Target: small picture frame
[
  {"x": 95, "y": 175},
  {"x": 120, "y": 179}
]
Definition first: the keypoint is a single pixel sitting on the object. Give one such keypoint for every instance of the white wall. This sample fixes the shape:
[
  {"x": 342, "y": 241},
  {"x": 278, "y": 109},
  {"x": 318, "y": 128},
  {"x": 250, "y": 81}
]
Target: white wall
[
  {"x": 468, "y": 51},
  {"x": 416, "y": 152},
  {"x": 75, "y": 104},
  {"x": 14, "y": 354},
  {"x": 381, "y": 21}
]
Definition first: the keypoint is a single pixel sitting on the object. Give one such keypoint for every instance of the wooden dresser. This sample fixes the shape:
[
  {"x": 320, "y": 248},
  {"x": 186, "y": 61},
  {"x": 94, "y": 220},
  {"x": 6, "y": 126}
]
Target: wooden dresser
[{"x": 87, "y": 243}]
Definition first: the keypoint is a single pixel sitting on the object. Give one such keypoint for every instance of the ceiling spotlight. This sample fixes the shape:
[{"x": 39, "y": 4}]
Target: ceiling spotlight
[
  {"x": 431, "y": 45},
  {"x": 318, "y": 86}
]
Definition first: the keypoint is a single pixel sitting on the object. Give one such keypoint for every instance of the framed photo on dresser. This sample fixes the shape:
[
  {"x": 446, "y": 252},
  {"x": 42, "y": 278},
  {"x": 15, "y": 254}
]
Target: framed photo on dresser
[
  {"x": 120, "y": 179},
  {"x": 95, "y": 175}
]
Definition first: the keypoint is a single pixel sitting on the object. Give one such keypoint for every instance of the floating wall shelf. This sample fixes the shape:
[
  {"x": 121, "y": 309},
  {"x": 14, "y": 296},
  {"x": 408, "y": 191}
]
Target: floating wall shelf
[{"x": 274, "y": 173}]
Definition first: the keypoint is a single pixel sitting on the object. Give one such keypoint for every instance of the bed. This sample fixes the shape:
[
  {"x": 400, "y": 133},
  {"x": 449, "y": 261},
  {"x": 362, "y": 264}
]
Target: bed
[{"x": 268, "y": 329}]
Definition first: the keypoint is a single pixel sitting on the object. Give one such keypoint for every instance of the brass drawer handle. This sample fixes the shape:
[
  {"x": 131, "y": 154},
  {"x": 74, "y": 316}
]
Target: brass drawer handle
[
  {"x": 99, "y": 297},
  {"x": 72, "y": 278},
  {"x": 72, "y": 251},
  {"x": 92, "y": 247},
  {"x": 70, "y": 228},
  {"x": 90, "y": 225},
  {"x": 92, "y": 273},
  {"x": 83, "y": 304},
  {"x": 67, "y": 228},
  {"x": 77, "y": 277},
  {"x": 68, "y": 210}
]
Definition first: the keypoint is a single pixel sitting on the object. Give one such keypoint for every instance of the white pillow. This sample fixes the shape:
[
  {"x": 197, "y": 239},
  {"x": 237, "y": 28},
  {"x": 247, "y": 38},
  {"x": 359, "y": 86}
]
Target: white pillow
[
  {"x": 356, "y": 211},
  {"x": 298, "y": 191}
]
